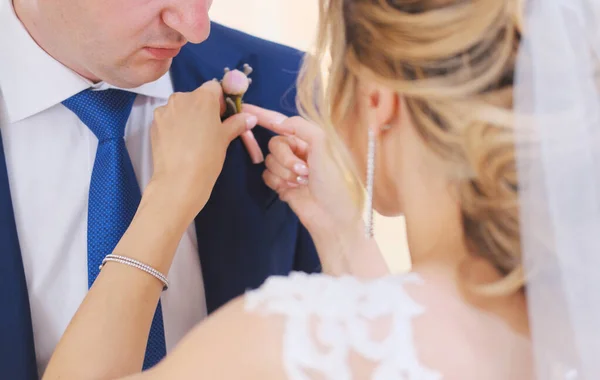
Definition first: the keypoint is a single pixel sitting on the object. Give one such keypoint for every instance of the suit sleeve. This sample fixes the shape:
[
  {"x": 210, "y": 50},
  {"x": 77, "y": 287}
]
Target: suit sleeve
[{"x": 306, "y": 259}]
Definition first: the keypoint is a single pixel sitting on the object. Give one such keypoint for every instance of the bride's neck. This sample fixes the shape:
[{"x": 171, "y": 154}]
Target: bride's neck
[
  {"x": 433, "y": 221},
  {"x": 438, "y": 247}
]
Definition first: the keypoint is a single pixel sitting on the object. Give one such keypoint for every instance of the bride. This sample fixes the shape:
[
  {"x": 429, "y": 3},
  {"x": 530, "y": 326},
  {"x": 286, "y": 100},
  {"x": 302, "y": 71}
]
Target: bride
[{"x": 423, "y": 95}]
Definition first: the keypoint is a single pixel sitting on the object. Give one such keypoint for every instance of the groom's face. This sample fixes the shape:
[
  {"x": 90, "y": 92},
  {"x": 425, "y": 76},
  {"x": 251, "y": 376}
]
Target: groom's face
[{"x": 124, "y": 42}]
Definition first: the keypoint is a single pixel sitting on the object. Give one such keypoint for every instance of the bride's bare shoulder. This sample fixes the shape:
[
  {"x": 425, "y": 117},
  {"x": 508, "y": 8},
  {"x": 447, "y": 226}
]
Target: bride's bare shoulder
[
  {"x": 425, "y": 314},
  {"x": 468, "y": 336},
  {"x": 420, "y": 323}
]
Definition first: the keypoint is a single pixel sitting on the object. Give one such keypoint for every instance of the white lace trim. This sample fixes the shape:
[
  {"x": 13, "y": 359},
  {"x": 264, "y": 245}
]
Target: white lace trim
[{"x": 345, "y": 311}]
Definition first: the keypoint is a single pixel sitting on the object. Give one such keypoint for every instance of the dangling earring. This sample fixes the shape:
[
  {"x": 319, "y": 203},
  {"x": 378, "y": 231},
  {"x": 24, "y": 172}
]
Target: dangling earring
[{"x": 370, "y": 181}]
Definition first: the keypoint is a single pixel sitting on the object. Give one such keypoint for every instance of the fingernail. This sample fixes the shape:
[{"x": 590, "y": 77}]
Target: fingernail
[
  {"x": 292, "y": 184},
  {"x": 302, "y": 180},
  {"x": 251, "y": 121},
  {"x": 256, "y": 154},
  {"x": 301, "y": 169},
  {"x": 278, "y": 125},
  {"x": 258, "y": 158}
]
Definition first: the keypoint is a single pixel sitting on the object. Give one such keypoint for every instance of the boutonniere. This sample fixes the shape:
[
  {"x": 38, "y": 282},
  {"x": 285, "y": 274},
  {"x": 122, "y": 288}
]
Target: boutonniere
[{"x": 235, "y": 84}]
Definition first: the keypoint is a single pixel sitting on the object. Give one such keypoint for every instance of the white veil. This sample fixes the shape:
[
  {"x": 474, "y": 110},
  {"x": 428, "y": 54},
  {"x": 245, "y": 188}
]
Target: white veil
[{"x": 558, "y": 160}]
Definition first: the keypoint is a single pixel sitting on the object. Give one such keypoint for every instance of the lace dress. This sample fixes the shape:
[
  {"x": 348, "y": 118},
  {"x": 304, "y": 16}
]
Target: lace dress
[{"x": 343, "y": 328}]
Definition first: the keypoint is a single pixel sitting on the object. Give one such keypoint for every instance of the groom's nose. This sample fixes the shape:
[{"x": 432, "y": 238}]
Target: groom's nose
[{"x": 189, "y": 18}]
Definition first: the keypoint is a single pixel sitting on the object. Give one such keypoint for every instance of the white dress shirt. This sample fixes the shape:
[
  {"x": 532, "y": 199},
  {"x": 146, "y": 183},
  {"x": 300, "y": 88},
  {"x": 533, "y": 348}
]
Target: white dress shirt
[{"x": 50, "y": 155}]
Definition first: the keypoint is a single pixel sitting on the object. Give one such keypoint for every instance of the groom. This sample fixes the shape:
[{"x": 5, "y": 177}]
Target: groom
[{"x": 51, "y": 51}]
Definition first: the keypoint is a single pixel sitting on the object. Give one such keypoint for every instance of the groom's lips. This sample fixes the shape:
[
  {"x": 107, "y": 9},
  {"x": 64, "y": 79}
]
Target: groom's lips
[{"x": 162, "y": 53}]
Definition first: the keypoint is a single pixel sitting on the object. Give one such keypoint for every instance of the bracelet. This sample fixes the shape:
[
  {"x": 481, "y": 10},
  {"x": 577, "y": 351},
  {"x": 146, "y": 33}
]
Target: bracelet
[{"x": 139, "y": 265}]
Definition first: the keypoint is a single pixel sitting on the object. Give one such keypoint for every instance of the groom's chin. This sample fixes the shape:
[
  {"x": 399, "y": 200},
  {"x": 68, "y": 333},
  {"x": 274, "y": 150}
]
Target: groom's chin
[
  {"x": 151, "y": 70},
  {"x": 142, "y": 71}
]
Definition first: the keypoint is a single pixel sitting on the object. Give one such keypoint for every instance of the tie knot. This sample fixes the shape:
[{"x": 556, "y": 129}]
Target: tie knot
[{"x": 104, "y": 112}]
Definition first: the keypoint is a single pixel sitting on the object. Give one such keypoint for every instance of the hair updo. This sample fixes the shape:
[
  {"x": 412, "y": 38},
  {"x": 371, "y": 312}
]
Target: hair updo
[{"x": 453, "y": 62}]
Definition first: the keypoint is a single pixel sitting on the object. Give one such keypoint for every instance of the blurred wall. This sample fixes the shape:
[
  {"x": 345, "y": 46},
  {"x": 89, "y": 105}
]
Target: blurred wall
[{"x": 293, "y": 22}]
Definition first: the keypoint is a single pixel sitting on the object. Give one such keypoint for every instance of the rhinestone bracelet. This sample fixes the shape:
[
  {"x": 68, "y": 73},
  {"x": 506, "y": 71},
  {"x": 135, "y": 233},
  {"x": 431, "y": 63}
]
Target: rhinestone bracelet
[{"x": 139, "y": 265}]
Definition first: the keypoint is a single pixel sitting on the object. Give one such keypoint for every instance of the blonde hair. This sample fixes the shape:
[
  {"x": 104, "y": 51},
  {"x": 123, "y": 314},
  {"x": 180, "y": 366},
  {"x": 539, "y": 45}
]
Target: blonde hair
[{"x": 453, "y": 62}]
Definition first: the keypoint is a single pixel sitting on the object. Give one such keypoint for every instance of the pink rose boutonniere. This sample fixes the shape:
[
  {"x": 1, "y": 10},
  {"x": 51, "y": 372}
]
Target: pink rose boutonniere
[{"x": 235, "y": 84}]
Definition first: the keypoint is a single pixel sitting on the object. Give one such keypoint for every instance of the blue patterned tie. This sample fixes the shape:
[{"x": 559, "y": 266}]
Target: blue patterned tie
[{"x": 114, "y": 191}]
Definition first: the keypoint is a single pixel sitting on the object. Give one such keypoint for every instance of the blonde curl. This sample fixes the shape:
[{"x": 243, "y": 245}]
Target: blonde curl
[{"x": 453, "y": 62}]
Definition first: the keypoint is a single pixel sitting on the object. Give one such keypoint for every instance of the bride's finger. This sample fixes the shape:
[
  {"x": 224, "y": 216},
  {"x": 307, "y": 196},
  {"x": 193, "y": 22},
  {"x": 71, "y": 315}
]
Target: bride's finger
[
  {"x": 283, "y": 149},
  {"x": 279, "y": 184},
  {"x": 304, "y": 130},
  {"x": 282, "y": 172},
  {"x": 289, "y": 126},
  {"x": 299, "y": 147},
  {"x": 256, "y": 154},
  {"x": 271, "y": 120},
  {"x": 276, "y": 183}
]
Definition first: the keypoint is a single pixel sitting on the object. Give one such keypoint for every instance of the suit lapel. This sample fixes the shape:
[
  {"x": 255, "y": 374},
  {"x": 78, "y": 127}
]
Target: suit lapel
[
  {"x": 17, "y": 352},
  {"x": 197, "y": 64},
  {"x": 226, "y": 248}
]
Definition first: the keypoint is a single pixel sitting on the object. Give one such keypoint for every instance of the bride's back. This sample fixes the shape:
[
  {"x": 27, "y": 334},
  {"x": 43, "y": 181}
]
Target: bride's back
[
  {"x": 451, "y": 63},
  {"x": 406, "y": 327},
  {"x": 468, "y": 336}
]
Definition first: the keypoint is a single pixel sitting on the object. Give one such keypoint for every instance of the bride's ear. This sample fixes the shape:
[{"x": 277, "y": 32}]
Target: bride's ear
[{"x": 383, "y": 108}]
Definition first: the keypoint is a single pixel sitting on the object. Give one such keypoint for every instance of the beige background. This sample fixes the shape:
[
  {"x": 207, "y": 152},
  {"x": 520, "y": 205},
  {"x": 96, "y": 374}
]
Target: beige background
[{"x": 293, "y": 22}]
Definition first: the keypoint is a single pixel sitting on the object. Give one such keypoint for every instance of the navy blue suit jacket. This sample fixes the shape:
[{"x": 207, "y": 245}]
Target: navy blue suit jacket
[{"x": 245, "y": 233}]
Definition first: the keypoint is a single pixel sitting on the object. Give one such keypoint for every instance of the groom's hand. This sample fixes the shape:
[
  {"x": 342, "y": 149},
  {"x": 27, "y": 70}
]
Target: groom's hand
[
  {"x": 256, "y": 154},
  {"x": 189, "y": 145}
]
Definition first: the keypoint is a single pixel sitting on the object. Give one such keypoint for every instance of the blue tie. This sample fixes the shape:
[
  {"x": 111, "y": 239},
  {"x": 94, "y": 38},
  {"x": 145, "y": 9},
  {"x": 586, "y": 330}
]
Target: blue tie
[{"x": 114, "y": 192}]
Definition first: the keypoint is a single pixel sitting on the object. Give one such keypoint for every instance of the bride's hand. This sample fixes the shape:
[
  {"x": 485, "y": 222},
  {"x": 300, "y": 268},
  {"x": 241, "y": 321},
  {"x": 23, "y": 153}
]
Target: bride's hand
[
  {"x": 302, "y": 171},
  {"x": 189, "y": 143}
]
